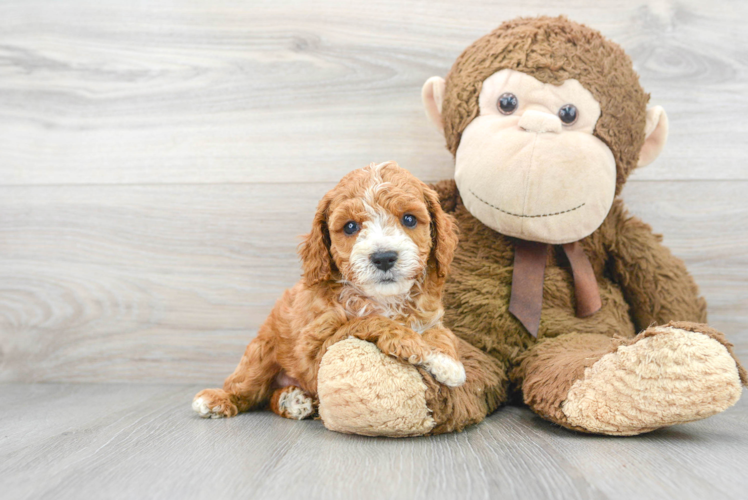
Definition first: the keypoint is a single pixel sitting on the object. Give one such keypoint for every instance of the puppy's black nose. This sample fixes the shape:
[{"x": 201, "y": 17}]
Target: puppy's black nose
[{"x": 384, "y": 260}]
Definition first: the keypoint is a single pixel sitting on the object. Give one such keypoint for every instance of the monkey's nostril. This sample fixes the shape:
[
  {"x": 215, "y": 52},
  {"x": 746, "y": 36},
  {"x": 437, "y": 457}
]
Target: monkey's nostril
[{"x": 383, "y": 260}]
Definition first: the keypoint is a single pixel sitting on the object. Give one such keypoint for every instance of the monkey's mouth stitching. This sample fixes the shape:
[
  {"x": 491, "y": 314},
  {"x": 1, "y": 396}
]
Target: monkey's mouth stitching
[{"x": 522, "y": 215}]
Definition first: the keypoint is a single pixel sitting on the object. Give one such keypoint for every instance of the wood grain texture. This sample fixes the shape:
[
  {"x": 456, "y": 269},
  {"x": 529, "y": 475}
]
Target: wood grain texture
[
  {"x": 144, "y": 282},
  {"x": 108, "y": 92},
  {"x": 158, "y": 161},
  {"x": 169, "y": 283},
  {"x": 144, "y": 441}
]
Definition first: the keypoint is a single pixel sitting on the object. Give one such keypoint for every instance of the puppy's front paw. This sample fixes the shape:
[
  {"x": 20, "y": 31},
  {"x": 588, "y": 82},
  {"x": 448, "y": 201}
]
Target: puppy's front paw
[
  {"x": 445, "y": 369},
  {"x": 214, "y": 403}
]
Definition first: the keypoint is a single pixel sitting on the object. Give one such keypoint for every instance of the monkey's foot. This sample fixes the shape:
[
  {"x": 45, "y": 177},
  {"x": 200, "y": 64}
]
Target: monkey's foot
[
  {"x": 667, "y": 375},
  {"x": 363, "y": 391}
]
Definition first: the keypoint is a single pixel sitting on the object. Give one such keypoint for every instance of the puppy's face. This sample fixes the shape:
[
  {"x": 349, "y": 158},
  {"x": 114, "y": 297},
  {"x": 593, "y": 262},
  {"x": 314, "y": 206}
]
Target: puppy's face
[
  {"x": 381, "y": 240},
  {"x": 381, "y": 229}
]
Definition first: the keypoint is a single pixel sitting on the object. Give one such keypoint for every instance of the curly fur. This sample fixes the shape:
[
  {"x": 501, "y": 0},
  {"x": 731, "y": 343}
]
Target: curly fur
[{"x": 338, "y": 296}]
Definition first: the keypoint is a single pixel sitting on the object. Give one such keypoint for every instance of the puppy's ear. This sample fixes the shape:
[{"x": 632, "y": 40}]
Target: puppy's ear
[
  {"x": 316, "y": 260},
  {"x": 443, "y": 234}
]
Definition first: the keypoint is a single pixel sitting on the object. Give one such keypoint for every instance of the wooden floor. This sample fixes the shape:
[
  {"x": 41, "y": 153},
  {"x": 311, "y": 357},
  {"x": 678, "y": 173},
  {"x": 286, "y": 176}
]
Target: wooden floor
[{"x": 143, "y": 441}]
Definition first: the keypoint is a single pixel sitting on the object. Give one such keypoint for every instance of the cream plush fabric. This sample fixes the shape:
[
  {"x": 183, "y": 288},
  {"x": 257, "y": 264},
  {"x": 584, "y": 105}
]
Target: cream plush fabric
[
  {"x": 673, "y": 377},
  {"x": 394, "y": 406},
  {"x": 528, "y": 175}
]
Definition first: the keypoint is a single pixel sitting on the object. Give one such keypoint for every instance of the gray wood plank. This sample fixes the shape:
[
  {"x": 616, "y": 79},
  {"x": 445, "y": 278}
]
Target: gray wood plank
[
  {"x": 143, "y": 441},
  {"x": 169, "y": 283},
  {"x": 293, "y": 91},
  {"x": 147, "y": 275}
]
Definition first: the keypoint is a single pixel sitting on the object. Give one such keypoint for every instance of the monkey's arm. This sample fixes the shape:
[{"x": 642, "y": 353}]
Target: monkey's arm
[{"x": 655, "y": 283}]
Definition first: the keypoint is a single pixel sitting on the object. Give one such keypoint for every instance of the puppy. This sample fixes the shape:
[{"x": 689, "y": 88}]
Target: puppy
[{"x": 374, "y": 267}]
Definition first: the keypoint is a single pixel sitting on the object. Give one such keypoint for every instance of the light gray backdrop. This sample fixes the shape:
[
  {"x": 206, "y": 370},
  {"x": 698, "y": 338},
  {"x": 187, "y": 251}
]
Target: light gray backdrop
[{"x": 158, "y": 160}]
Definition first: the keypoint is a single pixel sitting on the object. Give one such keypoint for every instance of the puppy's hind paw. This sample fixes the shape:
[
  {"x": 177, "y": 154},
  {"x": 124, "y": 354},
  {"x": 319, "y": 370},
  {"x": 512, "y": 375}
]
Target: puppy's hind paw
[
  {"x": 200, "y": 405},
  {"x": 292, "y": 402},
  {"x": 210, "y": 403},
  {"x": 445, "y": 369}
]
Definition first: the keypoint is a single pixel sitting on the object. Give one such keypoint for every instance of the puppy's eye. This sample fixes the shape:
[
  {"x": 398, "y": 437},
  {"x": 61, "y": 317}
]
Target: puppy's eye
[
  {"x": 350, "y": 227},
  {"x": 507, "y": 103},
  {"x": 568, "y": 114},
  {"x": 409, "y": 221}
]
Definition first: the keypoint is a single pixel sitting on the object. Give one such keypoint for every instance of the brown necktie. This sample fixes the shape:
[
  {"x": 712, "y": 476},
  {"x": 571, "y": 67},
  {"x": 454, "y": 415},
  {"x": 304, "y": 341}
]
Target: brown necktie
[{"x": 526, "y": 302}]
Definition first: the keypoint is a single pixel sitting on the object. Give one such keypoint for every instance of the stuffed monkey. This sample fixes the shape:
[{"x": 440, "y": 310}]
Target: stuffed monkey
[{"x": 557, "y": 293}]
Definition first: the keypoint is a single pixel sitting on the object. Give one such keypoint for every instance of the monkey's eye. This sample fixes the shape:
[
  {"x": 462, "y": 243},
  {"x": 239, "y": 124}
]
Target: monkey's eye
[
  {"x": 507, "y": 103},
  {"x": 350, "y": 227},
  {"x": 568, "y": 114},
  {"x": 409, "y": 221}
]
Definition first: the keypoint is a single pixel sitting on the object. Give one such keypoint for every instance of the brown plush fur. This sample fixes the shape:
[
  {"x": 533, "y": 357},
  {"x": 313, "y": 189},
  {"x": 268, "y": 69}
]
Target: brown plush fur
[
  {"x": 327, "y": 305},
  {"x": 484, "y": 391},
  {"x": 550, "y": 369},
  {"x": 641, "y": 283}
]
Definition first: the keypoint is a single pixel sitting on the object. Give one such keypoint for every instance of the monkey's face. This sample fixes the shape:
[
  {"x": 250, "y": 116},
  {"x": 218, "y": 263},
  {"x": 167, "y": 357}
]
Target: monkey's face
[
  {"x": 528, "y": 165},
  {"x": 546, "y": 119}
]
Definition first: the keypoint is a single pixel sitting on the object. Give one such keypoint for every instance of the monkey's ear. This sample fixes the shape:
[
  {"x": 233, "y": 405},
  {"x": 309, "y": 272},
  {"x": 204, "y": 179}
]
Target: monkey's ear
[
  {"x": 432, "y": 95},
  {"x": 655, "y": 135}
]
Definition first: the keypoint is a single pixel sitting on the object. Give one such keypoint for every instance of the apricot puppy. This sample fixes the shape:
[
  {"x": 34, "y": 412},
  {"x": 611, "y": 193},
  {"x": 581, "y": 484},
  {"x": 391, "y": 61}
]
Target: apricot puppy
[{"x": 374, "y": 267}]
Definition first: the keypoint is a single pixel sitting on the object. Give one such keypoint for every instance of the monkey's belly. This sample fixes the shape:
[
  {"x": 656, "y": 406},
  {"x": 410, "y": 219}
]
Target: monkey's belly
[{"x": 476, "y": 306}]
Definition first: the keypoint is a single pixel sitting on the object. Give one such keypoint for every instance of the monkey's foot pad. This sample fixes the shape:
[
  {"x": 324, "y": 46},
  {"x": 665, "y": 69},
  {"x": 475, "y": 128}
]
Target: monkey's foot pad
[
  {"x": 669, "y": 376},
  {"x": 350, "y": 403}
]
